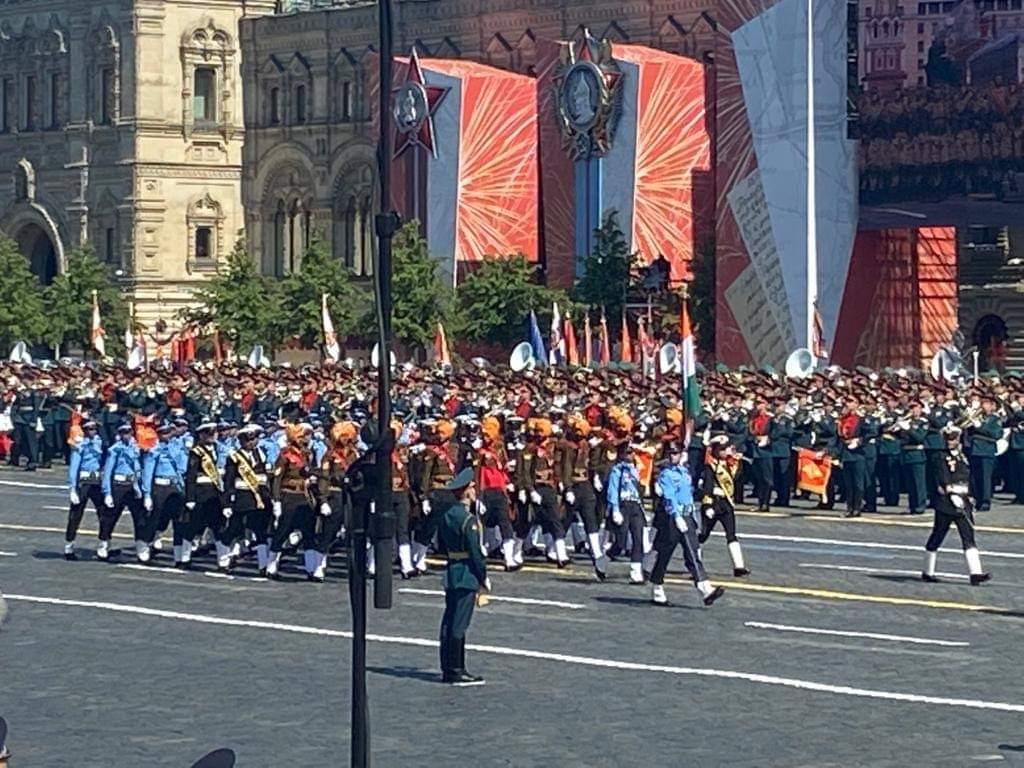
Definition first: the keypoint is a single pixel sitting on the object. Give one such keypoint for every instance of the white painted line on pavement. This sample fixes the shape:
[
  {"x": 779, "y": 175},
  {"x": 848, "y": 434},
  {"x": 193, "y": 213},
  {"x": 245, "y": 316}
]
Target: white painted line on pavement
[
  {"x": 893, "y": 571},
  {"x": 162, "y": 570},
  {"x": 496, "y": 599},
  {"x": 846, "y": 633},
  {"x": 233, "y": 577},
  {"x": 46, "y": 486},
  {"x": 8, "y": 554},
  {"x": 860, "y": 544},
  {"x": 52, "y": 529},
  {"x": 586, "y": 661}
]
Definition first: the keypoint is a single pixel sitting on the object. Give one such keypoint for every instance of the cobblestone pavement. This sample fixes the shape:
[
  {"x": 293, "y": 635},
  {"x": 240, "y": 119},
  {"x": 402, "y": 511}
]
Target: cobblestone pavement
[{"x": 104, "y": 665}]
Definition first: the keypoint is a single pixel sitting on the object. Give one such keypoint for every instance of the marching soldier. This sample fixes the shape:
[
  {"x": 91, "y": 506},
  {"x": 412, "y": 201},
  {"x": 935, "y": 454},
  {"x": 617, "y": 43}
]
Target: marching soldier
[
  {"x": 84, "y": 482},
  {"x": 163, "y": 493},
  {"x": 782, "y": 453},
  {"x": 760, "y": 429},
  {"x": 576, "y": 479},
  {"x": 246, "y": 498},
  {"x": 465, "y": 576},
  {"x": 292, "y": 504},
  {"x": 203, "y": 489},
  {"x": 25, "y": 414},
  {"x": 122, "y": 489},
  {"x": 851, "y": 455},
  {"x": 676, "y": 521},
  {"x": 715, "y": 489},
  {"x": 436, "y": 467},
  {"x": 494, "y": 485},
  {"x": 334, "y": 508},
  {"x": 953, "y": 507},
  {"x": 624, "y": 504},
  {"x": 537, "y": 481}
]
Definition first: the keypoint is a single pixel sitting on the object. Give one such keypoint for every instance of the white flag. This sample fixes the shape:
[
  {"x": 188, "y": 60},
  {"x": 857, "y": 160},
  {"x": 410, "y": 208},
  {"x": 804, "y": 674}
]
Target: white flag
[
  {"x": 97, "y": 327},
  {"x": 331, "y": 346}
]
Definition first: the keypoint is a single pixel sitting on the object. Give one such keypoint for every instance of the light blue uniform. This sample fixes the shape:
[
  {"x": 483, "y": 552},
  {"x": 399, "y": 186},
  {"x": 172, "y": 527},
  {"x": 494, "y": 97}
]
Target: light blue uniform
[
  {"x": 167, "y": 462},
  {"x": 623, "y": 485},
  {"x": 86, "y": 461},
  {"x": 676, "y": 491},
  {"x": 123, "y": 461}
]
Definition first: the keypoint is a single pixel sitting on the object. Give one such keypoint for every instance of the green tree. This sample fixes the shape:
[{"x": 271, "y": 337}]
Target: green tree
[
  {"x": 702, "y": 296},
  {"x": 495, "y": 299},
  {"x": 243, "y": 304},
  {"x": 22, "y": 311},
  {"x": 606, "y": 270},
  {"x": 301, "y": 293},
  {"x": 68, "y": 300},
  {"x": 421, "y": 297}
]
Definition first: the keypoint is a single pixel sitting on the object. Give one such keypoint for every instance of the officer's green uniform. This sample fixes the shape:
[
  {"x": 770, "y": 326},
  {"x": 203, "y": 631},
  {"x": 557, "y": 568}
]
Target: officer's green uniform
[
  {"x": 459, "y": 534},
  {"x": 983, "y": 459},
  {"x": 934, "y": 450},
  {"x": 912, "y": 446}
]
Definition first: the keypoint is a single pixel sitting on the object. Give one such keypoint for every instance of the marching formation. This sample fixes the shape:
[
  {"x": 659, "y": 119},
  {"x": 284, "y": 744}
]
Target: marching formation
[{"x": 567, "y": 465}]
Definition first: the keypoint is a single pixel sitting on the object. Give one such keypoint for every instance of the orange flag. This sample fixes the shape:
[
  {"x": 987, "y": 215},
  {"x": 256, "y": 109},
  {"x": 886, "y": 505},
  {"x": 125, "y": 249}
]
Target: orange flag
[
  {"x": 441, "y": 354},
  {"x": 587, "y": 341},
  {"x": 813, "y": 473},
  {"x": 606, "y": 347},
  {"x": 626, "y": 348},
  {"x": 572, "y": 354}
]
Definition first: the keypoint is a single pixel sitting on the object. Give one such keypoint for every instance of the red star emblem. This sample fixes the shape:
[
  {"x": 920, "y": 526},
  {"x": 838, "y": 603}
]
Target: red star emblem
[{"x": 414, "y": 104}]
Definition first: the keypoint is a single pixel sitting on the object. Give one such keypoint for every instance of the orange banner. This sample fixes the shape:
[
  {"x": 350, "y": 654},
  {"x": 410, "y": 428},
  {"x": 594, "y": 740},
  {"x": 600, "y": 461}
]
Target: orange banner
[{"x": 812, "y": 473}]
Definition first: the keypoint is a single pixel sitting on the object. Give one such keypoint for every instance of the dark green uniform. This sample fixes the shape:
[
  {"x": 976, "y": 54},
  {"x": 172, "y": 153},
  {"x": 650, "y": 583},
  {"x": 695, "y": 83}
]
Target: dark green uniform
[
  {"x": 459, "y": 534},
  {"x": 934, "y": 450},
  {"x": 782, "y": 450},
  {"x": 912, "y": 447},
  {"x": 983, "y": 459},
  {"x": 1015, "y": 456},
  {"x": 888, "y": 466}
]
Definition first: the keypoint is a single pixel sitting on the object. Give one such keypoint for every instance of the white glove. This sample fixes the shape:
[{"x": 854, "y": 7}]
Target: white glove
[
  {"x": 957, "y": 502},
  {"x": 657, "y": 490},
  {"x": 276, "y": 509},
  {"x": 108, "y": 500},
  {"x": 510, "y": 488},
  {"x": 147, "y": 503},
  {"x": 570, "y": 498},
  {"x": 477, "y": 444},
  {"x": 227, "y": 512},
  {"x": 598, "y": 485},
  {"x": 325, "y": 509},
  {"x": 617, "y": 517},
  {"x": 681, "y": 523},
  {"x": 487, "y": 583},
  {"x": 522, "y": 496},
  {"x": 190, "y": 505},
  {"x": 710, "y": 512},
  {"x": 718, "y": 492},
  {"x": 425, "y": 506},
  {"x": 73, "y": 496},
  {"x": 535, "y": 497}
]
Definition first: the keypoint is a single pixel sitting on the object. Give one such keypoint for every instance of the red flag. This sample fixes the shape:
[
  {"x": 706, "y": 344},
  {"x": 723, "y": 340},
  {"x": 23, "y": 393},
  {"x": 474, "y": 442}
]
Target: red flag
[
  {"x": 587, "y": 341},
  {"x": 606, "y": 347},
  {"x": 626, "y": 346},
  {"x": 572, "y": 354}
]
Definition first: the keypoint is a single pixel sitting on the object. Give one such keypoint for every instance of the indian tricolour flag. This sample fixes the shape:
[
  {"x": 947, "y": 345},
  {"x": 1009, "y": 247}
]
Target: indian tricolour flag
[{"x": 691, "y": 389}]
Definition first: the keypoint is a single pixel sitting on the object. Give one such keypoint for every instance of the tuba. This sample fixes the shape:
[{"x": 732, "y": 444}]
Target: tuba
[
  {"x": 800, "y": 364},
  {"x": 522, "y": 358}
]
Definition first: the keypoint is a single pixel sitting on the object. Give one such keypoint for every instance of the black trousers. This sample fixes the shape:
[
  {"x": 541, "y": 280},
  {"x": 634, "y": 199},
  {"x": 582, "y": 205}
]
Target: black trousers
[
  {"x": 1015, "y": 467},
  {"x": 854, "y": 477},
  {"x": 665, "y": 541},
  {"x": 549, "y": 515},
  {"x": 326, "y": 529},
  {"x": 981, "y": 479},
  {"x": 296, "y": 515},
  {"x": 458, "y": 612},
  {"x": 761, "y": 472},
  {"x": 964, "y": 526},
  {"x": 28, "y": 443},
  {"x": 440, "y": 500},
  {"x": 724, "y": 514},
  {"x": 496, "y": 511},
  {"x": 401, "y": 503},
  {"x": 781, "y": 479},
  {"x": 251, "y": 516},
  {"x": 932, "y": 460},
  {"x": 87, "y": 492},
  {"x": 870, "y": 482},
  {"x": 168, "y": 506},
  {"x": 125, "y": 498},
  {"x": 585, "y": 506},
  {"x": 888, "y": 470}
]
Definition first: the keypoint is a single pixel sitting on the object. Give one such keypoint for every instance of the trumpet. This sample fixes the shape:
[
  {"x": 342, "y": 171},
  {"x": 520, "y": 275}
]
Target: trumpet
[{"x": 970, "y": 418}]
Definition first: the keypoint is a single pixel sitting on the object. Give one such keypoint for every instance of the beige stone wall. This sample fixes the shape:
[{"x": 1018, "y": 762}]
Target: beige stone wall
[{"x": 138, "y": 173}]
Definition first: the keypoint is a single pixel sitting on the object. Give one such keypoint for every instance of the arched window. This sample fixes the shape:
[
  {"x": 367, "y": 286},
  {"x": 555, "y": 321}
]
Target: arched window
[{"x": 300, "y": 104}]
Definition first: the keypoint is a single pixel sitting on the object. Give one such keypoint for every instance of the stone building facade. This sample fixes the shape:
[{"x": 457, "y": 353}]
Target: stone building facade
[
  {"x": 309, "y": 158},
  {"x": 121, "y": 126}
]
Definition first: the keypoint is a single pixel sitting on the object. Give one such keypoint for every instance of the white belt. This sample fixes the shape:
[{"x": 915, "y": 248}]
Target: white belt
[
  {"x": 88, "y": 475},
  {"x": 123, "y": 478},
  {"x": 958, "y": 489},
  {"x": 112, "y": 407},
  {"x": 241, "y": 485},
  {"x": 203, "y": 480},
  {"x": 161, "y": 481}
]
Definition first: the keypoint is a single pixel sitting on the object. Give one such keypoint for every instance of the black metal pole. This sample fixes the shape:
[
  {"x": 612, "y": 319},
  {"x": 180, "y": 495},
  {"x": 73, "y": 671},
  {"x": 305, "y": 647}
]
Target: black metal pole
[{"x": 360, "y": 736}]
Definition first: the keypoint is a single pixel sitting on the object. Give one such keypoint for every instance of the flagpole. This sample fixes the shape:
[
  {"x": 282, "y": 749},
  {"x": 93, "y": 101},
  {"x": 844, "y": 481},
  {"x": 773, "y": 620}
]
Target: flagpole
[{"x": 812, "y": 206}]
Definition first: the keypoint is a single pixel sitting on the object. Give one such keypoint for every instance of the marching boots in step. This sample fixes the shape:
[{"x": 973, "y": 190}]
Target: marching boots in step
[
  {"x": 736, "y": 553},
  {"x": 928, "y": 574},
  {"x": 978, "y": 576}
]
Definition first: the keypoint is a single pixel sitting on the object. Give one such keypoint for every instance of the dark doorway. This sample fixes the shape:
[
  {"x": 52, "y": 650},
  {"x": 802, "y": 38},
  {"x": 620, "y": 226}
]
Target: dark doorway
[
  {"x": 990, "y": 335},
  {"x": 38, "y": 248}
]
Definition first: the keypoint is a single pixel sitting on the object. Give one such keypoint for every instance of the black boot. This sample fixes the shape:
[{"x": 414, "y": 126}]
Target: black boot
[{"x": 460, "y": 677}]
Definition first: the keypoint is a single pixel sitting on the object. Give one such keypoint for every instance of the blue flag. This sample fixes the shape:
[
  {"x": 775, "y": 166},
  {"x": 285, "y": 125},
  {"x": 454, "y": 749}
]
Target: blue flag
[{"x": 537, "y": 341}]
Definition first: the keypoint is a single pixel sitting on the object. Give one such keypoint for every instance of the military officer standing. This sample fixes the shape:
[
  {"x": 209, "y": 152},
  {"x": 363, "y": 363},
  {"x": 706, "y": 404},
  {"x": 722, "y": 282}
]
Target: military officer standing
[
  {"x": 464, "y": 577},
  {"x": 1015, "y": 455},
  {"x": 782, "y": 449},
  {"x": 985, "y": 433},
  {"x": 912, "y": 432},
  {"x": 889, "y": 450}
]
